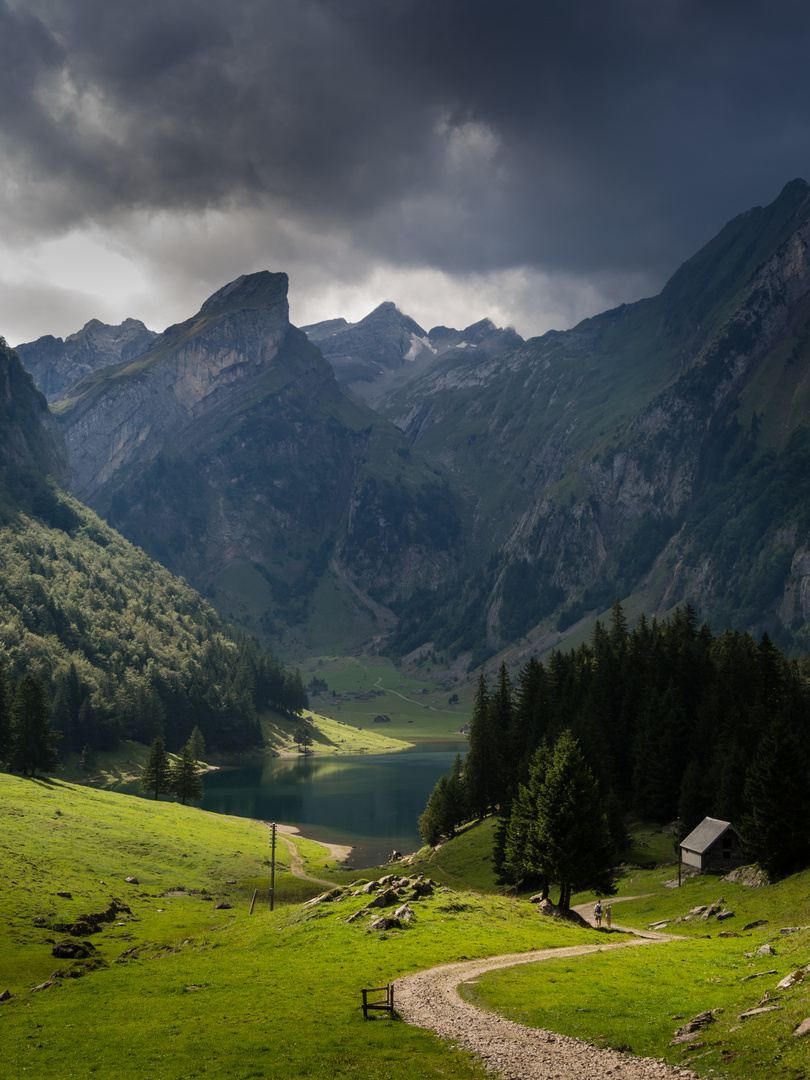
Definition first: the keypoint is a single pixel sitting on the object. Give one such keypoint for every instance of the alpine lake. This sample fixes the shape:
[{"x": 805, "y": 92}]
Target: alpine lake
[{"x": 370, "y": 802}]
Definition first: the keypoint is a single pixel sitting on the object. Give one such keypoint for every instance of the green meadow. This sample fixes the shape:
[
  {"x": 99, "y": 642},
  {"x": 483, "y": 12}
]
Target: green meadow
[
  {"x": 636, "y": 1000},
  {"x": 177, "y": 987},
  {"x": 419, "y": 710}
]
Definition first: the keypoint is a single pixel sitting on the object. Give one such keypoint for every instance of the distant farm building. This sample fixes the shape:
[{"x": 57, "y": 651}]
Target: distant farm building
[{"x": 713, "y": 846}]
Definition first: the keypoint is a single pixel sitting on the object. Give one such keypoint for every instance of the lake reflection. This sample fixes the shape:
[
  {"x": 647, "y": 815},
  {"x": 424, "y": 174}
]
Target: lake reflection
[{"x": 371, "y": 802}]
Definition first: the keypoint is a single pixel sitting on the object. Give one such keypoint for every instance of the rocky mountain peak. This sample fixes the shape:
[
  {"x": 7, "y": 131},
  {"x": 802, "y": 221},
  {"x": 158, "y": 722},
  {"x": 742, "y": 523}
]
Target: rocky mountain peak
[
  {"x": 56, "y": 363},
  {"x": 262, "y": 289}
]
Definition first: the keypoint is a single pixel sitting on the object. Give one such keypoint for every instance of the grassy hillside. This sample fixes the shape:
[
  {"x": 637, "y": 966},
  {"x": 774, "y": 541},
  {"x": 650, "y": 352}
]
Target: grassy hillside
[
  {"x": 175, "y": 988},
  {"x": 636, "y": 1003}
]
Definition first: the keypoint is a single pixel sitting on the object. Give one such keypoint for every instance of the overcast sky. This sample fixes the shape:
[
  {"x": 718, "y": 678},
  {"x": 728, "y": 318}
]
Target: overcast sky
[{"x": 536, "y": 161}]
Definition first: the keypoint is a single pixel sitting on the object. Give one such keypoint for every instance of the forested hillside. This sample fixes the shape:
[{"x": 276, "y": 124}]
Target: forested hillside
[
  {"x": 122, "y": 648},
  {"x": 673, "y": 721}
]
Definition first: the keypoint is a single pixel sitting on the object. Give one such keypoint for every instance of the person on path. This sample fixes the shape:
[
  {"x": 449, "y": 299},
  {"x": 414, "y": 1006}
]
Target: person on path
[
  {"x": 607, "y": 915},
  {"x": 597, "y": 913}
]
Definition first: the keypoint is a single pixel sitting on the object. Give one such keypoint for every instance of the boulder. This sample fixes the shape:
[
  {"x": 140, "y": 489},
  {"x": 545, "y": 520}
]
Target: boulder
[
  {"x": 801, "y": 1029},
  {"x": 760, "y": 1009},
  {"x": 131, "y": 881},
  {"x": 223, "y": 905},
  {"x": 689, "y": 1031},
  {"x": 5, "y": 996},
  {"x": 422, "y": 889},
  {"x": 65, "y": 895},
  {"x": 547, "y": 908},
  {"x": 765, "y": 950},
  {"x": 385, "y": 922},
  {"x": 754, "y": 925},
  {"x": 385, "y": 898},
  {"x": 73, "y": 950},
  {"x": 791, "y": 980},
  {"x": 405, "y": 913},
  {"x": 725, "y": 915}
]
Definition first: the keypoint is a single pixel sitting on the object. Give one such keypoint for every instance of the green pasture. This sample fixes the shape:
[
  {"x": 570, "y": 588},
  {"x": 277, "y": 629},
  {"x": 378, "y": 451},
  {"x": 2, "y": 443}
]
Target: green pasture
[
  {"x": 414, "y": 717},
  {"x": 176, "y": 988},
  {"x": 636, "y": 999}
]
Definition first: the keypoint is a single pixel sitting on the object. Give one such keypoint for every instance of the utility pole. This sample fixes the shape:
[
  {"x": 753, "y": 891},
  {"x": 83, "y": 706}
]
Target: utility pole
[{"x": 272, "y": 864}]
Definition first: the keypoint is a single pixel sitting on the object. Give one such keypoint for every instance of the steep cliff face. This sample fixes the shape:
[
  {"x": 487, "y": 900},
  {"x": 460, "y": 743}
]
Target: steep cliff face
[
  {"x": 648, "y": 450},
  {"x": 30, "y": 440},
  {"x": 55, "y": 363},
  {"x": 228, "y": 451},
  {"x": 126, "y": 411}
]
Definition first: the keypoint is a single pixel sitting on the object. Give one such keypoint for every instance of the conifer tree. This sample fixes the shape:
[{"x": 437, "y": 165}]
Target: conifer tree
[
  {"x": 155, "y": 772},
  {"x": 433, "y": 819},
  {"x": 5, "y": 722},
  {"x": 520, "y": 860},
  {"x": 777, "y": 823},
  {"x": 184, "y": 778},
  {"x": 32, "y": 739},
  {"x": 479, "y": 756},
  {"x": 574, "y": 848},
  {"x": 197, "y": 743}
]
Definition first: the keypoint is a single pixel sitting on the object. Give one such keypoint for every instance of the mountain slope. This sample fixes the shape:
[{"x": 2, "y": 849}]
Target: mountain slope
[
  {"x": 228, "y": 451},
  {"x": 124, "y": 648},
  {"x": 600, "y": 458}
]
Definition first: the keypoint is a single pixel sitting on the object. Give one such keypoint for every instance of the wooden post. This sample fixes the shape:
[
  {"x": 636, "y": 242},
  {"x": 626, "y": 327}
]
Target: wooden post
[
  {"x": 253, "y": 901},
  {"x": 272, "y": 865}
]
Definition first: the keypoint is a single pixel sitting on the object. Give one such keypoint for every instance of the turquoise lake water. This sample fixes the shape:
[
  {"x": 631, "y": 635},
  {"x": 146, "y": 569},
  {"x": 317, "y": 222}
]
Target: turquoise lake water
[{"x": 370, "y": 802}]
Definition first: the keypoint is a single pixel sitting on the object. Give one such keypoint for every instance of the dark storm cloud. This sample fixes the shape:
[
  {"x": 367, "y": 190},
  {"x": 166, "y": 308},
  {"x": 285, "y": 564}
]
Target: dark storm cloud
[{"x": 465, "y": 135}]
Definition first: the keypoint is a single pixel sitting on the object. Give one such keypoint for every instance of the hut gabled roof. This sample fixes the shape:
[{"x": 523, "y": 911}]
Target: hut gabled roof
[{"x": 707, "y": 832}]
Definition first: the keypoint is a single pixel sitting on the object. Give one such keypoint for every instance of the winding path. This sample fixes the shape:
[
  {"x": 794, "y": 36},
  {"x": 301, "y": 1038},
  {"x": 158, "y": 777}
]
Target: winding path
[
  {"x": 430, "y": 999},
  {"x": 337, "y": 851}
]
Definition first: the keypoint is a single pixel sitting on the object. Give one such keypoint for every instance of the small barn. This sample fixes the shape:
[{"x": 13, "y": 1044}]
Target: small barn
[{"x": 714, "y": 846}]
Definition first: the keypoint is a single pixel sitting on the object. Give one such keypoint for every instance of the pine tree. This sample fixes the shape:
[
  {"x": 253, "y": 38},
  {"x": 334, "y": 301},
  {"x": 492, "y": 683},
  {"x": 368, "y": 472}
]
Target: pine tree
[
  {"x": 32, "y": 739},
  {"x": 776, "y": 825},
  {"x": 446, "y": 807},
  {"x": 573, "y": 840},
  {"x": 197, "y": 744},
  {"x": 155, "y": 772},
  {"x": 5, "y": 721},
  {"x": 520, "y": 861},
  {"x": 456, "y": 795},
  {"x": 479, "y": 757},
  {"x": 433, "y": 820},
  {"x": 184, "y": 778}
]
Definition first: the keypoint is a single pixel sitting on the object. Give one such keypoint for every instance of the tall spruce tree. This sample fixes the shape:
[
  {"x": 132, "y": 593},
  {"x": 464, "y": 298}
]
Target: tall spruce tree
[
  {"x": 519, "y": 863},
  {"x": 776, "y": 825},
  {"x": 197, "y": 743},
  {"x": 5, "y": 720},
  {"x": 32, "y": 739},
  {"x": 479, "y": 756},
  {"x": 574, "y": 848},
  {"x": 184, "y": 777},
  {"x": 155, "y": 772}
]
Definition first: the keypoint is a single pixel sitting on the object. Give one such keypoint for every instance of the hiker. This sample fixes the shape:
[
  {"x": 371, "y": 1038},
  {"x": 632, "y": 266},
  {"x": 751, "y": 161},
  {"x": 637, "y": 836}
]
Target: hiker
[
  {"x": 607, "y": 915},
  {"x": 597, "y": 912}
]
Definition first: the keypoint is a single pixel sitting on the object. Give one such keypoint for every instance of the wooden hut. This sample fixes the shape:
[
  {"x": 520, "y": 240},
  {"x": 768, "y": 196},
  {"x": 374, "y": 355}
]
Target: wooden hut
[{"x": 713, "y": 847}]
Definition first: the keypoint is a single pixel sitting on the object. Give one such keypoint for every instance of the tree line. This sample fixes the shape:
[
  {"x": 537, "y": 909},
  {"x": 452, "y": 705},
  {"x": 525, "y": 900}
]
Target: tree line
[
  {"x": 123, "y": 649},
  {"x": 672, "y": 722}
]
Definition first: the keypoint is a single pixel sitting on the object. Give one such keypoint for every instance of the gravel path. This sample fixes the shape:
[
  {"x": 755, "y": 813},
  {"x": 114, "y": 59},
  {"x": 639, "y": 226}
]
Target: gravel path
[{"x": 429, "y": 999}]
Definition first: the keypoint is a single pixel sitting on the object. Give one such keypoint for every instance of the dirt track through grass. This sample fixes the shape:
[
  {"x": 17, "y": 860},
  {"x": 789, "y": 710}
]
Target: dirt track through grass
[{"x": 430, "y": 999}]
